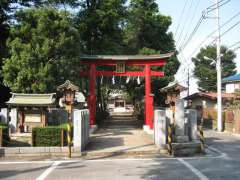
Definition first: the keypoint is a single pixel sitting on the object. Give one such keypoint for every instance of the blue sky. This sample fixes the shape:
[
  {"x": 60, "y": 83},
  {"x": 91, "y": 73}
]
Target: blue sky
[{"x": 189, "y": 19}]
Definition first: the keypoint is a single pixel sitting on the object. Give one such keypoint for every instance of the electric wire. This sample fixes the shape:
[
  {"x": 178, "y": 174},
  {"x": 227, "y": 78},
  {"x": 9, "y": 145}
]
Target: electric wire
[
  {"x": 219, "y": 5},
  {"x": 190, "y": 22},
  {"x": 198, "y": 25},
  {"x": 185, "y": 22},
  {"x": 180, "y": 17},
  {"x": 213, "y": 32},
  {"x": 234, "y": 44},
  {"x": 229, "y": 29}
]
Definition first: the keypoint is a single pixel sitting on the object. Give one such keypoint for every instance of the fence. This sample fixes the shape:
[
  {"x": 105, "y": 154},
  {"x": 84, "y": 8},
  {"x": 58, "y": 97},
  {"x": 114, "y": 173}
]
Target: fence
[{"x": 230, "y": 117}]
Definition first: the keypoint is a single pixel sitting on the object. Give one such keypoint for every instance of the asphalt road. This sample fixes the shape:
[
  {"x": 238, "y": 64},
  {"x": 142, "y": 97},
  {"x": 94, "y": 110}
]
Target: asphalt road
[{"x": 222, "y": 163}]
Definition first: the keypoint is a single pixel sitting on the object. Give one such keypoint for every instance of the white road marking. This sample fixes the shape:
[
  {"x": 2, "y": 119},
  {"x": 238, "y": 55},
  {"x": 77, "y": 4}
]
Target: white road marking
[
  {"x": 193, "y": 169},
  {"x": 48, "y": 171},
  {"x": 222, "y": 154},
  {"x": 35, "y": 162}
]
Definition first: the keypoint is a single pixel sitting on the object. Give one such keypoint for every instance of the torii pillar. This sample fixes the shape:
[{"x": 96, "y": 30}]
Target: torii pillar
[
  {"x": 92, "y": 95},
  {"x": 148, "y": 99}
]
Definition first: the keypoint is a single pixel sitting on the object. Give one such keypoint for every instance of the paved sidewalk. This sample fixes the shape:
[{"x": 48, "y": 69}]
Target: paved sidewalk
[{"x": 121, "y": 140}]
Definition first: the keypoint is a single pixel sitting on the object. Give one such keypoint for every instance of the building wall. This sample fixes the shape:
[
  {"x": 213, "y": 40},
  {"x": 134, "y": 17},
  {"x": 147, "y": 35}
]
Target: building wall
[
  {"x": 231, "y": 87},
  {"x": 204, "y": 102}
]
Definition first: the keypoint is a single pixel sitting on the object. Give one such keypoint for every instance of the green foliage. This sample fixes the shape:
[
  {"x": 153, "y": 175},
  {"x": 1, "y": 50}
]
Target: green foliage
[
  {"x": 49, "y": 135},
  {"x": 99, "y": 24},
  {"x": 44, "y": 47},
  {"x": 205, "y": 70},
  {"x": 146, "y": 27},
  {"x": 147, "y": 33},
  {"x": 5, "y": 134}
]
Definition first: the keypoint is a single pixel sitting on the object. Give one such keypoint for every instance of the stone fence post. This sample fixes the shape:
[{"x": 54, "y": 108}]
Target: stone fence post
[
  {"x": 80, "y": 128},
  {"x": 160, "y": 128}
]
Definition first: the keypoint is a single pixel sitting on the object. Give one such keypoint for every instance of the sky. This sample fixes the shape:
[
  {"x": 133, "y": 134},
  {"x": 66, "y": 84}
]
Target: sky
[{"x": 185, "y": 19}]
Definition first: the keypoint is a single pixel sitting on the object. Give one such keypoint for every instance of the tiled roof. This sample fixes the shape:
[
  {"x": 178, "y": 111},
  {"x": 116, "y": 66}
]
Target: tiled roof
[
  {"x": 210, "y": 95},
  {"x": 173, "y": 85},
  {"x": 233, "y": 78},
  {"x": 68, "y": 85},
  {"x": 19, "y": 99},
  {"x": 126, "y": 57}
]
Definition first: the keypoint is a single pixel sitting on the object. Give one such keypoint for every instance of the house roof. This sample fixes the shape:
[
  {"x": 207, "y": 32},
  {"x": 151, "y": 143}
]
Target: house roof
[
  {"x": 210, "y": 95},
  {"x": 126, "y": 57},
  {"x": 19, "y": 99},
  {"x": 173, "y": 85},
  {"x": 68, "y": 85},
  {"x": 233, "y": 78}
]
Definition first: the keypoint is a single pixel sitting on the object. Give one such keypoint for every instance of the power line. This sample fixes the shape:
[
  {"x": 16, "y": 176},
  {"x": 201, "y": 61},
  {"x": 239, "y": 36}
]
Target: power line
[
  {"x": 190, "y": 22},
  {"x": 213, "y": 32},
  {"x": 185, "y": 22},
  {"x": 234, "y": 44},
  {"x": 180, "y": 17},
  {"x": 199, "y": 23},
  {"x": 229, "y": 29},
  {"x": 219, "y": 5},
  {"x": 192, "y": 33}
]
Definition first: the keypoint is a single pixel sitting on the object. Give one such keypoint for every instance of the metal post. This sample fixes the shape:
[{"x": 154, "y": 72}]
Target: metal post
[
  {"x": 219, "y": 76},
  {"x": 69, "y": 139}
]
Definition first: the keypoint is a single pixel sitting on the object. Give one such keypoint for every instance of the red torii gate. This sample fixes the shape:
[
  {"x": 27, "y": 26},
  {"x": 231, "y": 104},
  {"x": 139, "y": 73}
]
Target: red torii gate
[{"x": 121, "y": 62}]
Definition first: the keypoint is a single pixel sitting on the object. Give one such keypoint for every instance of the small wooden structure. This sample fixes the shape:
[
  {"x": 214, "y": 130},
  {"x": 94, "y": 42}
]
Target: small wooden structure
[{"x": 31, "y": 109}]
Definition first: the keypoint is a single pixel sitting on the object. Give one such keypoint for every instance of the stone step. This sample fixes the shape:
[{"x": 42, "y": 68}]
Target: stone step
[{"x": 186, "y": 149}]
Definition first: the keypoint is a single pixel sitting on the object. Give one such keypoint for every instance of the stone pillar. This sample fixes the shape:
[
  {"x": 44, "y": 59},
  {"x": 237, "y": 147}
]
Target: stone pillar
[
  {"x": 180, "y": 122},
  {"x": 13, "y": 120},
  {"x": 81, "y": 128},
  {"x": 169, "y": 115},
  {"x": 160, "y": 128},
  {"x": 4, "y": 114},
  {"x": 179, "y": 118},
  {"x": 77, "y": 125},
  {"x": 192, "y": 119}
]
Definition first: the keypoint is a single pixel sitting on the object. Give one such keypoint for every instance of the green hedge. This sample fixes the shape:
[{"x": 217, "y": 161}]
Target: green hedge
[
  {"x": 49, "y": 136},
  {"x": 5, "y": 136}
]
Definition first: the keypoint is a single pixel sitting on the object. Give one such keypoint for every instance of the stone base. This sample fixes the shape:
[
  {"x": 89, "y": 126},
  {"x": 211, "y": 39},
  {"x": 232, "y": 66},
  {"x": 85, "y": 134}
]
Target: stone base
[
  {"x": 181, "y": 139},
  {"x": 147, "y": 129},
  {"x": 187, "y": 149},
  {"x": 93, "y": 129}
]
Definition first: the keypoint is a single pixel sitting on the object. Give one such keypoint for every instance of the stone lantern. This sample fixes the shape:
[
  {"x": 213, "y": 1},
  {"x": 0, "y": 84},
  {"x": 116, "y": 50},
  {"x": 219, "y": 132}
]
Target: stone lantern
[
  {"x": 173, "y": 90},
  {"x": 69, "y": 90}
]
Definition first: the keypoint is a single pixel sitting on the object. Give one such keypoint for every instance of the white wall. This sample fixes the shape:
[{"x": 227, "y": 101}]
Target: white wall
[{"x": 230, "y": 88}]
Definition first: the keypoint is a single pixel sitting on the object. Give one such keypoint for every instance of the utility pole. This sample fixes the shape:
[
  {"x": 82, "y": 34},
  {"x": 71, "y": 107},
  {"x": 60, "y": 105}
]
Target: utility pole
[
  {"x": 188, "y": 83},
  {"x": 219, "y": 76}
]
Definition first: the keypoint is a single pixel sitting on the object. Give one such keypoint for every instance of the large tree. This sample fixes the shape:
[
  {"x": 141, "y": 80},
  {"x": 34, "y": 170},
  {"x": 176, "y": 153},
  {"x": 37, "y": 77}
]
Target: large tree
[
  {"x": 44, "y": 47},
  {"x": 100, "y": 26},
  {"x": 147, "y": 28},
  {"x": 146, "y": 32},
  {"x": 205, "y": 68},
  {"x": 7, "y": 15}
]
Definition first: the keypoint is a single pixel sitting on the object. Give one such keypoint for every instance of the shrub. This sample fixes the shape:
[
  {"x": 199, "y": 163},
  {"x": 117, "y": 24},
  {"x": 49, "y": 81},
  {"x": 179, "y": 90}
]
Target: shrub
[
  {"x": 49, "y": 136},
  {"x": 5, "y": 134}
]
